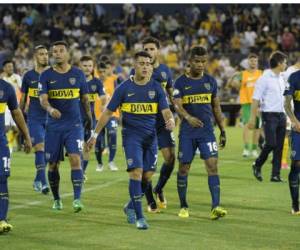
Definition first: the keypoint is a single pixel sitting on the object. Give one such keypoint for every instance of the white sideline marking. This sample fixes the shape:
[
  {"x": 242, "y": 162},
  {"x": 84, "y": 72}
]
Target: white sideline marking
[{"x": 84, "y": 190}]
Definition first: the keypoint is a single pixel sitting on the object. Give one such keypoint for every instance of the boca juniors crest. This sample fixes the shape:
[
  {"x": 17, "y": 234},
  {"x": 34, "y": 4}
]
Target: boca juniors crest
[
  {"x": 151, "y": 94},
  {"x": 207, "y": 86},
  {"x": 72, "y": 80},
  {"x": 94, "y": 87}
]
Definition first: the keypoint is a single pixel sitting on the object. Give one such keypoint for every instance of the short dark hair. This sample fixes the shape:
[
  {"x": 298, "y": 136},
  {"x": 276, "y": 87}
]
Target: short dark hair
[
  {"x": 7, "y": 61},
  {"x": 141, "y": 54},
  {"x": 151, "y": 39},
  {"x": 276, "y": 58},
  {"x": 60, "y": 43},
  {"x": 38, "y": 47},
  {"x": 86, "y": 58},
  {"x": 102, "y": 65},
  {"x": 105, "y": 59},
  {"x": 198, "y": 51},
  {"x": 252, "y": 55}
]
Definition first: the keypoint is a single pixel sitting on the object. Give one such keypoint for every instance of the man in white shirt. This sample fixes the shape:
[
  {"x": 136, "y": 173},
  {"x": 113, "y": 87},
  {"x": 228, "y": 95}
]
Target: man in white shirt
[{"x": 268, "y": 94}]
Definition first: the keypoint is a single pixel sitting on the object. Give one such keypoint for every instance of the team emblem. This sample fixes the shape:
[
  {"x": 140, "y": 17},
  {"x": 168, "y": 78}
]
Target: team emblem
[
  {"x": 164, "y": 75},
  {"x": 72, "y": 80},
  {"x": 94, "y": 87},
  {"x": 207, "y": 86},
  {"x": 151, "y": 94},
  {"x": 1, "y": 93},
  {"x": 129, "y": 162}
]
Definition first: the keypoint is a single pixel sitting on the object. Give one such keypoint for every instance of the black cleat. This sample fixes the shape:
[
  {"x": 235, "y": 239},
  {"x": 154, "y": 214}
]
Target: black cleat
[
  {"x": 276, "y": 179},
  {"x": 256, "y": 172}
]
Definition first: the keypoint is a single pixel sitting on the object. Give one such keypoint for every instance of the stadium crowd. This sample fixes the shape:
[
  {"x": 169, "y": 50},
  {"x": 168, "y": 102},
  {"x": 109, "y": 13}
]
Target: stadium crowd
[{"x": 230, "y": 32}]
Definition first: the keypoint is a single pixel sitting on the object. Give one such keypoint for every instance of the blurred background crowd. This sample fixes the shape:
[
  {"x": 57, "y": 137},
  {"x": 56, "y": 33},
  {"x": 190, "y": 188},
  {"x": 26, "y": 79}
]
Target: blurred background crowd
[{"x": 228, "y": 31}]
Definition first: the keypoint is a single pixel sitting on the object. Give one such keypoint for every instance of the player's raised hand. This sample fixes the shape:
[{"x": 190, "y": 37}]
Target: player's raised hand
[
  {"x": 194, "y": 122},
  {"x": 222, "y": 139},
  {"x": 170, "y": 124},
  {"x": 27, "y": 145}
]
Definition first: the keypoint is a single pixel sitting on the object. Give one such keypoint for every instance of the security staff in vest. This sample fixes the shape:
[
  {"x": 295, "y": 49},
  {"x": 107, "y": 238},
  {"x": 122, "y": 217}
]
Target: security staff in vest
[{"x": 268, "y": 94}]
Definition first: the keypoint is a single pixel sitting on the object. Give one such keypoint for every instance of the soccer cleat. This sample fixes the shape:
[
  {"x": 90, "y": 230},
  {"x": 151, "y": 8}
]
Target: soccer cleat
[
  {"x": 77, "y": 206},
  {"x": 153, "y": 210},
  {"x": 161, "y": 200},
  {"x": 37, "y": 186},
  {"x": 99, "y": 168},
  {"x": 184, "y": 213},
  {"x": 5, "y": 227},
  {"x": 57, "y": 205},
  {"x": 130, "y": 213},
  {"x": 85, "y": 178},
  {"x": 112, "y": 166},
  {"x": 256, "y": 172},
  {"x": 276, "y": 179},
  {"x": 246, "y": 153},
  {"x": 142, "y": 224},
  {"x": 295, "y": 212},
  {"x": 45, "y": 190},
  {"x": 254, "y": 153},
  {"x": 217, "y": 213}
]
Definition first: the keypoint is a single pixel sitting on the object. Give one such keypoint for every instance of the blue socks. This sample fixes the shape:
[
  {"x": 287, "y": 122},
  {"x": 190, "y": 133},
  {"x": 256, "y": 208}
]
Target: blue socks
[
  {"x": 112, "y": 144},
  {"x": 149, "y": 194},
  {"x": 135, "y": 192},
  {"x": 84, "y": 165},
  {"x": 3, "y": 197},
  {"x": 77, "y": 179},
  {"x": 54, "y": 177},
  {"x": 144, "y": 187},
  {"x": 181, "y": 189},
  {"x": 294, "y": 185},
  {"x": 40, "y": 165},
  {"x": 214, "y": 188},
  {"x": 165, "y": 173}
]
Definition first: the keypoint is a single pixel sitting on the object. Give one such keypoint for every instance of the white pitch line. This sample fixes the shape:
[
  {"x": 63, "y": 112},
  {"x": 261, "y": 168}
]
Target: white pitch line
[{"x": 84, "y": 190}]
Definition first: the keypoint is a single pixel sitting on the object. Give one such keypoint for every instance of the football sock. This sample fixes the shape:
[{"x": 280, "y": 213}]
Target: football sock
[
  {"x": 144, "y": 187},
  {"x": 135, "y": 192},
  {"x": 165, "y": 173},
  {"x": 182, "y": 182},
  {"x": 214, "y": 188},
  {"x": 84, "y": 165},
  {"x": 53, "y": 178},
  {"x": 3, "y": 197},
  {"x": 40, "y": 165},
  {"x": 247, "y": 146},
  {"x": 294, "y": 185},
  {"x": 98, "y": 155},
  {"x": 77, "y": 178},
  {"x": 149, "y": 193},
  {"x": 254, "y": 146},
  {"x": 112, "y": 144}
]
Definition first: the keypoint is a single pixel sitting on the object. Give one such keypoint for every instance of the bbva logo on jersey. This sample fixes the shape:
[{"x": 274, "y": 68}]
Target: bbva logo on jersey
[
  {"x": 72, "y": 80},
  {"x": 151, "y": 94}
]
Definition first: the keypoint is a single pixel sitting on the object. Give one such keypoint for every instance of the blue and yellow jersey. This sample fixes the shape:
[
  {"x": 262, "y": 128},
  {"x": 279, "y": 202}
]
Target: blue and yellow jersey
[
  {"x": 8, "y": 99},
  {"x": 30, "y": 88},
  {"x": 196, "y": 95},
  {"x": 95, "y": 90},
  {"x": 64, "y": 91},
  {"x": 139, "y": 105},
  {"x": 293, "y": 89}
]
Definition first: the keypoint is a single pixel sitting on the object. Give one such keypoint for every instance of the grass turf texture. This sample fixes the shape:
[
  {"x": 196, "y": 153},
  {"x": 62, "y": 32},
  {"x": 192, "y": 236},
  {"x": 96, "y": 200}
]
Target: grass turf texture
[{"x": 258, "y": 213}]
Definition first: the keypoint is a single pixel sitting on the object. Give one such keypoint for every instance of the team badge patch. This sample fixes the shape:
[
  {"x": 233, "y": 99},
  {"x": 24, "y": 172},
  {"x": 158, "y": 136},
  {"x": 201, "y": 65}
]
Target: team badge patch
[
  {"x": 72, "y": 80},
  {"x": 129, "y": 162},
  {"x": 207, "y": 86},
  {"x": 151, "y": 94},
  {"x": 94, "y": 87},
  {"x": 164, "y": 75},
  {"x": 1, "y": 93}
]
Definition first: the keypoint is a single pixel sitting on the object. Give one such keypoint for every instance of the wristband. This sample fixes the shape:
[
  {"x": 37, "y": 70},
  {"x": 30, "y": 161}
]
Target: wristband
[{"x": 94, "y": 135}]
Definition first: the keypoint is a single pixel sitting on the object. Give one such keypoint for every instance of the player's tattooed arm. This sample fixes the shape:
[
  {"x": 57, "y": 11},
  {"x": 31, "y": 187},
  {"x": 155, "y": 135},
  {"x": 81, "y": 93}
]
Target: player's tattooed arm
[
  {"x": 289, "y": 111},
  {"x": 87, "y": 108},
  {"x": 46, "y": 105},
  {"x": 217, "y": 111},
  {"x": 193, "y": 121}
]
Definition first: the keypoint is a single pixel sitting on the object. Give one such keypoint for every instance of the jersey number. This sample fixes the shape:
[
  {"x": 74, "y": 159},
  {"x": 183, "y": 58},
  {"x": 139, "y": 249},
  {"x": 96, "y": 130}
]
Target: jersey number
[
  {"x": 6, "y": 164},
  {"x": 80, "y": 144},
  {"x": 213, "y": 147}
]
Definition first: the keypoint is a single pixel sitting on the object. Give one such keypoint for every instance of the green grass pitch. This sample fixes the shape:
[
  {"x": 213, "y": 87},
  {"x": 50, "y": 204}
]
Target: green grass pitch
[{"x": 258, "y": 213}]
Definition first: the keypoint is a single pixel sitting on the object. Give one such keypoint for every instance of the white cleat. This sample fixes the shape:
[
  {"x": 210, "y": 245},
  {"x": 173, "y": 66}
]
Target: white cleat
[
  {"x": 99, "y": 168},
  {"x": 246, "y": 153},
  {"x": 254, "y": 153},
  {"x": 112, "y": 166}
]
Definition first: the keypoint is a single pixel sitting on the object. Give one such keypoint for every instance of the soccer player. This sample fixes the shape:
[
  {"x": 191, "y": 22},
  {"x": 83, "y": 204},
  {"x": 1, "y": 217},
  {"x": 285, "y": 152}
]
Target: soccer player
[
  {"x": 292, "y": 94},
  {"x": 95, "y": 89},
  {"x": 196, "y": 101},
  {"x": 140, "y": 99},
  {"x": 36, "y": 115},
  {"x": 61, "y": 89},
  {"x": 8, "y": 98},
  {"x": 245, "y": 81},
  {"x": 109, "y": 80}
]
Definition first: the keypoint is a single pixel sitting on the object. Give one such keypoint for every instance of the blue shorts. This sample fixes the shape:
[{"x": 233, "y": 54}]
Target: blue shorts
[
  {"x": 4, "y": 158},
  {"x": 55, "y": 141},
  {"x": 112, "y": 125},
  {"x": 188, "y": 147},
  {"x": 100, "y": 142},
  {"x": 140, "y": 153},
  {"x": 295, "y": 143},
  {"x": 165, "y": 138},
  {"x": 37, "y": 131}
]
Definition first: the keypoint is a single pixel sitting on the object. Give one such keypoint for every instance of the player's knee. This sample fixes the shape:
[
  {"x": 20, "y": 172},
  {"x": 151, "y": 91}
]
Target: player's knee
[
  {"x": 184, "y": 169},
  {"x": 39, "y": 147},
  {"x": 136, "y": 173},
  {"x": 147, "y": 176},
  {"x": 53, "y": 166}
]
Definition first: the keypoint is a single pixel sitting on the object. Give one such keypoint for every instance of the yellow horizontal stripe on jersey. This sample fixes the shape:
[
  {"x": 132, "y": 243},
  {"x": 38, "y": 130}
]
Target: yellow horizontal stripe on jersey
[
  {"x": 140, "y": 108},
  {"x": 64, "y": 93},
  {"x": 33, "y": 92},
  {"x": 297, "y": 95},
  {"x": 197, "y": 99},
  {"x": 93, "y": 97},
  {"x": 2, "y": 107}
]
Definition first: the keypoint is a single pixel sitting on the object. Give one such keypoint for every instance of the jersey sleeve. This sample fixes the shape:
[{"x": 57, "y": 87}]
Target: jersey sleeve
[
  {"x": 25, "y": 86},
  {"x": 177, "y": 92},
  {"x": 169, "y": 79},
  {"x": 290, "y": 85},
  {"x": 162, "y": 98},
  {"x": 259, "y": 89},
  {"x": 83, "y": 85},
  {"x": 214, "y": 87},
  {"x": 12, "y": 102},
  {"x": 43, "y": 83},
  {"x": 116, "y": 99},
  {"x": 100, "y": 88}
]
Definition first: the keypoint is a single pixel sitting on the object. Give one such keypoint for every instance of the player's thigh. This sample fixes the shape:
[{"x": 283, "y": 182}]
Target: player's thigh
[
  {"x": 186, "y": 150},
  {"x": 73, "y": 141},
  {"x": 165, "y": 139},
  {"x": 150, "y": 158},
  {"x": 54, "y": 144},
  {"x": 4, "y": 160},
  {"x": 208, "y": 148},
  {"x": 295, "y": 146},
  {"x": 37, "y": 132},
  {"x": 133, "y": 151}
]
